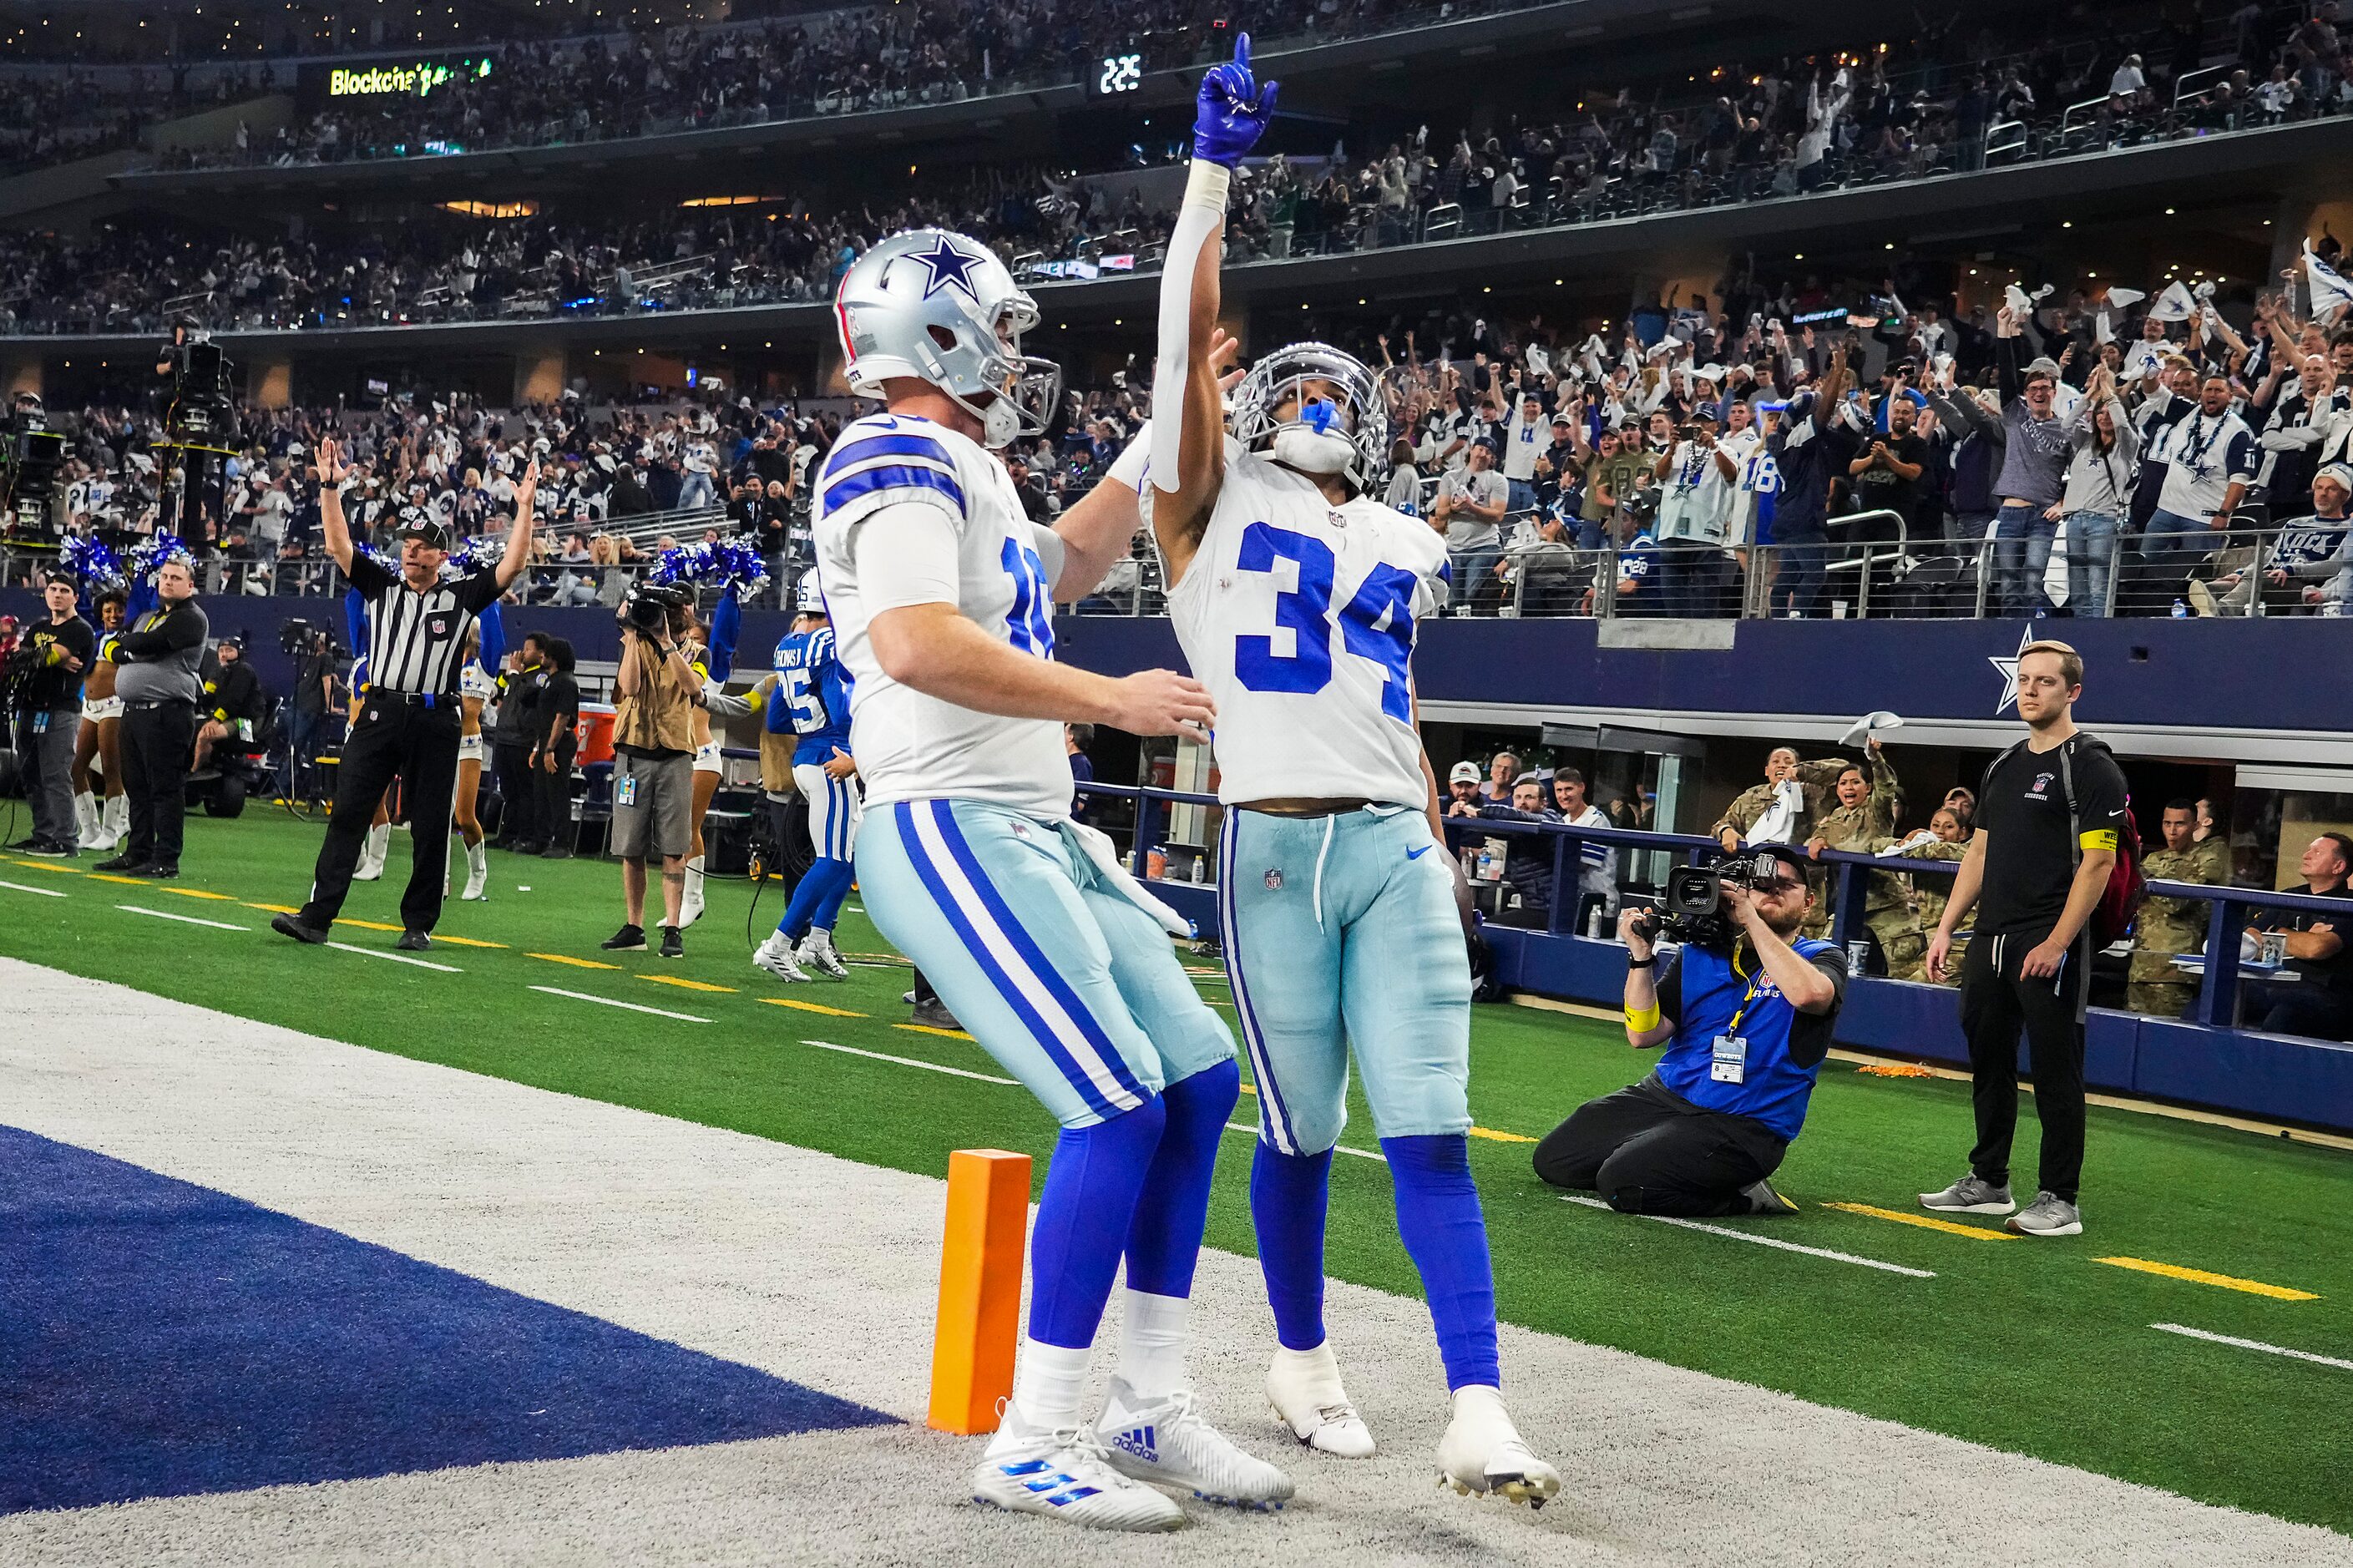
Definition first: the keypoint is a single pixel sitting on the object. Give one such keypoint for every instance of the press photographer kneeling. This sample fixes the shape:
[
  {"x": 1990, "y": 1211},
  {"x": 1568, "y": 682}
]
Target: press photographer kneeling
[{"x": 1746, "y": 1008}]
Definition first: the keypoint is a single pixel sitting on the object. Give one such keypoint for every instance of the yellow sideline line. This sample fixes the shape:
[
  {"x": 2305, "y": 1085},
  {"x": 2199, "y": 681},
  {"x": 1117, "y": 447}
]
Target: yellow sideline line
[
  {"x": 274, "y": 909},
  {"x": 126, "y": 882},
  {"x": 2201, "y": 1277},
  {"x": 465, "y": 941},
  {"x": 46, "y": 866},
  {"x": 196, "y": 893},
  {"x": 683, "y": 985},
  {"x": 365, "y": 925},
  {"x": 1950, "y": 1227},
  {"x": 575, "y": 963},
  {"x": 927, "y": 1029},
  {"x": 811, "y": 1007}
]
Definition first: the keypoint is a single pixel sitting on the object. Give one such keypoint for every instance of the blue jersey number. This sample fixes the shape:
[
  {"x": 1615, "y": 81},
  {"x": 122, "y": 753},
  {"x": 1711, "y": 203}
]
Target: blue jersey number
[
  {"x": 1029, "y": 624},
  {"x": 801, "y": 697},
  {"x": 1377, "y": 624}
]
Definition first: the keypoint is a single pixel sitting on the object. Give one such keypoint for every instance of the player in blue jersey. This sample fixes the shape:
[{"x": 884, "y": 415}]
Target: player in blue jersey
[
  {"x": 941, "y": 595},
  {"x": 813, "y": 700}
]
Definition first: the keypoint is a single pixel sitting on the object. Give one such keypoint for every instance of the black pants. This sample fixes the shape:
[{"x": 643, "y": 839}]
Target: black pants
[
  {"x": 157, "y": 740},
  {"x": 1647, "y": 1149},
  {"x": 517, "y": 793},
  {"x": 2298, "y": 1007},
  {"x": 1995, "y": 1004},
  {"x": 551, "y": 814},
  {"x": 420, "y": 746}
]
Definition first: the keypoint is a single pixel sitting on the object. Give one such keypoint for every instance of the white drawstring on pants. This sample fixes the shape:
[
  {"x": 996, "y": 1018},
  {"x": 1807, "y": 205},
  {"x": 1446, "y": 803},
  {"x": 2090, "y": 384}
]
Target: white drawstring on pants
[{"x": 1330, "y": 825}]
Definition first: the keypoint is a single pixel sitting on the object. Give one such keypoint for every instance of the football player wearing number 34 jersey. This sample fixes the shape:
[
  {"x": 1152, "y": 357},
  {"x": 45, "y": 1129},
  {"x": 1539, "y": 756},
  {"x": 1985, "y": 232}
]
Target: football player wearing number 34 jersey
[
  {"x": 941, "y": 595},
  {"x": 1294, "y": 594}
]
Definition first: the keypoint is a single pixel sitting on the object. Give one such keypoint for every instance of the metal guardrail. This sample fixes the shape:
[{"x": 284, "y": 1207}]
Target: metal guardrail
[{"x": 2231, "y": 909}]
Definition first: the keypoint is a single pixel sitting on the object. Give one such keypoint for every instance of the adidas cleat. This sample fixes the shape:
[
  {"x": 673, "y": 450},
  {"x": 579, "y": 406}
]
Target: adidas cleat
[
  {"x": 1304, "y": 1387},
  {"x": 1481, "y": 1452},
  {"x": 815, "y": 954},
  {"x": 775, "y": 956},
  {"x": 1066, "y": 1476},
  {"x": 1166, "y": 1442}
]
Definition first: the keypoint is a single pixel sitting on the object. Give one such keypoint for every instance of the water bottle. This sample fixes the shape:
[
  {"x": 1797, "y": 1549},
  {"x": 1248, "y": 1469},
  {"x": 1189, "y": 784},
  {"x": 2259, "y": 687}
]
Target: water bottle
[{"x": 2180, "y": 610}]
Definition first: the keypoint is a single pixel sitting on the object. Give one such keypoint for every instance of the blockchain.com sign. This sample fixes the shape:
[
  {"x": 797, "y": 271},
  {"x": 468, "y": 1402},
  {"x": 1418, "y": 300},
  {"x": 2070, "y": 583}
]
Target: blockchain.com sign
[{"x": 320, "y": 86}]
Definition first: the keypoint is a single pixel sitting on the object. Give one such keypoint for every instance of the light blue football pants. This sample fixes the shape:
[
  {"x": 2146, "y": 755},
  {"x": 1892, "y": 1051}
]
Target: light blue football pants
[
  {"x": 1068, "y": 986},
  {"x": 1341, "y": 931}
]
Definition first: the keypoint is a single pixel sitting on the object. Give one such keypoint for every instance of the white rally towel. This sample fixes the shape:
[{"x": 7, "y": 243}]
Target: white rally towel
[
  {"x": 1104, "y": 857},
  {"x": 1780, "y": 818},
  {"x": 2174, "y": 303},
  {"x": 2330, "y": 292}
]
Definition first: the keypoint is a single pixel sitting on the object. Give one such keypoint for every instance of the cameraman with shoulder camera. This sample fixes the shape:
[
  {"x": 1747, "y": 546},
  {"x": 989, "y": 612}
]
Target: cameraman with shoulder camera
[
  {"x": 408, "y": 718},
  {"x": 1746, "y": 1008},
  {"x": 653, "y": 768}
]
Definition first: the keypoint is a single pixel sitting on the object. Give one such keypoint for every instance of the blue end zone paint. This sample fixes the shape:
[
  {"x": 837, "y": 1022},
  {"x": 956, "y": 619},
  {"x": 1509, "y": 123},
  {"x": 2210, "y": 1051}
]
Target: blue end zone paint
[{"x": 158, "y": 1339}]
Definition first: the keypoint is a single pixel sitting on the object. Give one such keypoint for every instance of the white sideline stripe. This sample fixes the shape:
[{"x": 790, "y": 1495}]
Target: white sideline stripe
[
  {"x": 368, "y": 952},
  {"x": 1337, "y": 1148},
  {"x": 611, "y": 1002},
  {"x": 1762, "y": 1240},
  {"x": 184, "y": 919},
  {"x": 912, "y": 1062},
  {"x": 21, "y": 888},
  {"x": 2252, "y": 1345}
]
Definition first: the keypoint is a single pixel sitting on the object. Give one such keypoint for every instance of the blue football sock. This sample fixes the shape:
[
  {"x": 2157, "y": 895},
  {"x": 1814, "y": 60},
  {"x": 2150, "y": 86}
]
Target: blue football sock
[
  {"x": 1083, "y": 1217},
  {"x": 810, "y": 895},
  {"x": 828, "y": 908},
  {"x": 1288, "y": 1195},
  {"x": 1438, "y": 1220},
  {"x": 1165, "y": 1241}
]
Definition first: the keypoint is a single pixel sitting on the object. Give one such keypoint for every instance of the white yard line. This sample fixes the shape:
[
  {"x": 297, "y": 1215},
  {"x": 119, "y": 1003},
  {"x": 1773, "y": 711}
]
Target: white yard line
[
  {"x": 371, "y": 952},
  {"x": 2254, "y": 1345},
  {"x": 1771, "y": 1241},
  {"x": 911, "y": 1062},
  {"x": 610, "y": 1002},
  {"x": 184, "y": 919},
  {"x": 21, "y": 888}
]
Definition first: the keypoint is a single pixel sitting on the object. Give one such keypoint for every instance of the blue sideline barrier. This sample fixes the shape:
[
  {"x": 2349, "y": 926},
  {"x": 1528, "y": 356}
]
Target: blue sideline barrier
[{"x": 2194, "y": 1061}]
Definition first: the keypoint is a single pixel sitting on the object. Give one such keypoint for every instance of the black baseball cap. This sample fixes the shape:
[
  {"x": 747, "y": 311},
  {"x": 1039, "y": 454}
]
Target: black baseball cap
[
  {"x": 426, "y": 531},
  {"x": 1788, "y": 855}
]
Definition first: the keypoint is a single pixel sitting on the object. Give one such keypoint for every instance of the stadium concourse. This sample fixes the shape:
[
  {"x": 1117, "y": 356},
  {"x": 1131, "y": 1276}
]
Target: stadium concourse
[{"x": 513, "y": 1253}]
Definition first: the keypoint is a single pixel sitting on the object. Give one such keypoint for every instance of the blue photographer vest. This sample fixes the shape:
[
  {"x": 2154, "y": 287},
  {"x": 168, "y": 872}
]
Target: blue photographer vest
[{"x": 1718, "y": 999}]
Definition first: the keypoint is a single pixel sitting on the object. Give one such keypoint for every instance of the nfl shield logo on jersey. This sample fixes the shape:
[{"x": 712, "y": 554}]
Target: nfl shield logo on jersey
[{"x": 1274, "y": 881}]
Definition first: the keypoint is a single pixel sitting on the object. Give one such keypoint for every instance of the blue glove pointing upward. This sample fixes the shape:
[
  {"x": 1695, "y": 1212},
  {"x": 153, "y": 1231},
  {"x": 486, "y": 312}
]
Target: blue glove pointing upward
[{"x": 1234, "y": 109}]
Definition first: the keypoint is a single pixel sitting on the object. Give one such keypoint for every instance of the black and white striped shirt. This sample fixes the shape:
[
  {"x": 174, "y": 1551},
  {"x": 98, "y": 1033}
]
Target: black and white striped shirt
[{"x": 417, "y": 641}]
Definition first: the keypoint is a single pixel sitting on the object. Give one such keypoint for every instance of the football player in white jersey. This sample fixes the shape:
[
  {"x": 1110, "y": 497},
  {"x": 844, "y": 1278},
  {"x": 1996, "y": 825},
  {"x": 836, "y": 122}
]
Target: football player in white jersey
[
  {"x": 1294, "y": 594},
  {"x": 941, "y": 593}
]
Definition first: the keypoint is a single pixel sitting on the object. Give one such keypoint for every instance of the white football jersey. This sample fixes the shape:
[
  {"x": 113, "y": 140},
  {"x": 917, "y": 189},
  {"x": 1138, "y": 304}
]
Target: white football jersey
[
  {"x": 909, "y": 746},
  {"x": 1299, "y": 617}
]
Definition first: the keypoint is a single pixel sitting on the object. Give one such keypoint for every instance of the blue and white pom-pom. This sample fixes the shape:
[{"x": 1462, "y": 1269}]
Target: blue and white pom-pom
[
  {"x": 91, "y": 560},
  {"x": 729, "y": 562},
  {"x": 477, "y": 555},
  {"x": 149, "y": 553}
]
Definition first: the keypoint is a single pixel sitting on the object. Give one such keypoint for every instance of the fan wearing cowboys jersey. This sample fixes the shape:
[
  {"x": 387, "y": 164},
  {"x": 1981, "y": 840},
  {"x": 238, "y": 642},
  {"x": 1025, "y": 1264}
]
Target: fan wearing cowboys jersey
[{"x": 1294, "y": 594}]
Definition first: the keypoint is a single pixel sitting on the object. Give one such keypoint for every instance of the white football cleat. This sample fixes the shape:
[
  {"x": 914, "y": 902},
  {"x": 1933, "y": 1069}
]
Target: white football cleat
[
  {"x": 1303, "y": 1387},
  {"x": 478, "y": 873},
  {"x": 1065, "y": 1476},
  {"x": 1481, "y": 1452},
  {"x": 775, "y": 956},
  {"x": 374, "y": 850},
  {"x": 816, "y": 953},
  {"x": 1167, "y": 1441}
]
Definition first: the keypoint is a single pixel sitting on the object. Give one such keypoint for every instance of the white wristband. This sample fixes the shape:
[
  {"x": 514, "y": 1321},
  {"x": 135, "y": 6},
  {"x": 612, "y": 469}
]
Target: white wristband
[{"x": 1206, "y": 185}]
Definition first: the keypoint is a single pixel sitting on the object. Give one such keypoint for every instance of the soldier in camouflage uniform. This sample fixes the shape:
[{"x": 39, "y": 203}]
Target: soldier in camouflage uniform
[
  {"x": 1814, "y": 782},
  {"x": 1951, "y": 842},
  {"x": 2168, "y": 926},
  {"x": 1865, "y": 823}
]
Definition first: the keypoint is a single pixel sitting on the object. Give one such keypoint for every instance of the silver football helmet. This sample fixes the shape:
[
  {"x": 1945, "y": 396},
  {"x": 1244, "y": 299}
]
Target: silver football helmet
[
  {"x": 1339, "y": 427},
  {"x": 942, "y": 308},
  {"x": 808, "y": 596}
]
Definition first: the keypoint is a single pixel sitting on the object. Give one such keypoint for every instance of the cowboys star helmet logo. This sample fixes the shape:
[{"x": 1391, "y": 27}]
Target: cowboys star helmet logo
[{"x": 950, "y": 268}]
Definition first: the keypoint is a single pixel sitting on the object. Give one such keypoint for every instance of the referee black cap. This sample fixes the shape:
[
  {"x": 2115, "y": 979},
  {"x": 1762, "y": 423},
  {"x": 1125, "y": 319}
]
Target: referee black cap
[{"x": 415, "y": 524}]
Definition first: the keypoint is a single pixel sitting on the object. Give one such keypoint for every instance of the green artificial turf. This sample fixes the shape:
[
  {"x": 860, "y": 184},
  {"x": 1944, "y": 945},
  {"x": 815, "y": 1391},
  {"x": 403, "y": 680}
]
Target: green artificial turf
[{"x": 2027, "y": 1345}]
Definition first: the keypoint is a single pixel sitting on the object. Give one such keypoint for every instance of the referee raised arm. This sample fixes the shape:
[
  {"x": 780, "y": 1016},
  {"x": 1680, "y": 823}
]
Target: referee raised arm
[{"x": 408, "y": 714}]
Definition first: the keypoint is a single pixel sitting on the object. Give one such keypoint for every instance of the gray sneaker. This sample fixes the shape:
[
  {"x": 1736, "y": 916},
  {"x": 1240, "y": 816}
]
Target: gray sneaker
[
  {"x": 1970, "y": 1195},
  {"x": 2048, "y": 1214}
]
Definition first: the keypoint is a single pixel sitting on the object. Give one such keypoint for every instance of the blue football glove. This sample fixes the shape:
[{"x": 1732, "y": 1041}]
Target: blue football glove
[{"x": 1233, "y": 109}]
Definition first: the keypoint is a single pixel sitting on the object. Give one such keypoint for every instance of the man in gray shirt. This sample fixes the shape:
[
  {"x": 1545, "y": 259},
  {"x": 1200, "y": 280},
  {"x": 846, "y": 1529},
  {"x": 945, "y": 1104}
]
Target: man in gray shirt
[
  {"x": 157, "y": 680},
  {"x": 1470, "y": 508},
  {"x": 2032, "y": 478}
]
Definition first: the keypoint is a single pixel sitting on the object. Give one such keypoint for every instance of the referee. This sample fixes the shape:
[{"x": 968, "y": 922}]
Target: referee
[{"x": 408, "y": 720}]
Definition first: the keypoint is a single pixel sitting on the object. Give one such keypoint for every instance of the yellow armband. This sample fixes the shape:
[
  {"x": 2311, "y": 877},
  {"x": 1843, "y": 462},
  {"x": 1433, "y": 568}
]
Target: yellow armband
[
  {"x": 1643, "y": 1021},
  {"x": 2098, "y": 838}
]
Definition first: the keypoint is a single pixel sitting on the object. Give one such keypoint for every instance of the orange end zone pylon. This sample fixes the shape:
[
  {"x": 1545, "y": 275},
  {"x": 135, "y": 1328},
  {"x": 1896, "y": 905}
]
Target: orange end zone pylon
[{"x": 980, "y": 1289}]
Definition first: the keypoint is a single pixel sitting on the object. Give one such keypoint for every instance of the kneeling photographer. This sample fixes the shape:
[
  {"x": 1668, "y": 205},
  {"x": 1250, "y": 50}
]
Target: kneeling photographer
[
  {"x": 1746, "y": 1009},
  {"x": 653, "y": 769}
]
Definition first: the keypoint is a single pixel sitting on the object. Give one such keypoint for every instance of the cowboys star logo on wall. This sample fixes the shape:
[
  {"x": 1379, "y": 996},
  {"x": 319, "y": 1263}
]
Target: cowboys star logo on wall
[
  {"x": 950, "y": 268},
  {"x": 2008, "y": 668}
]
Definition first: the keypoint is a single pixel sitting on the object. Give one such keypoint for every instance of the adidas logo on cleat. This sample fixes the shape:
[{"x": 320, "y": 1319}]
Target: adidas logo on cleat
[
  {"x": 1038, "y": 1476},
  {"x": 1137, "y": 1440}
]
